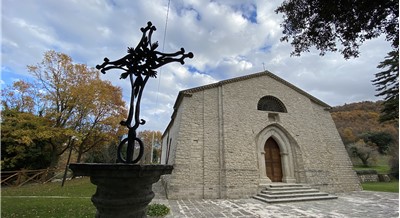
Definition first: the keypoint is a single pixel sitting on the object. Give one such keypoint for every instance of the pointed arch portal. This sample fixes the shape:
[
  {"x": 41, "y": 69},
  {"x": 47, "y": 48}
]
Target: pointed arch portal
[{"x": 275, "y": 157}]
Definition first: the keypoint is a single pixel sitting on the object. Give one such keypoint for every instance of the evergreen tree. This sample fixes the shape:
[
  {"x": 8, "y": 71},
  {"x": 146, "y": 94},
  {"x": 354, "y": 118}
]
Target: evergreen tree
[{"x": 387, "y": 83}]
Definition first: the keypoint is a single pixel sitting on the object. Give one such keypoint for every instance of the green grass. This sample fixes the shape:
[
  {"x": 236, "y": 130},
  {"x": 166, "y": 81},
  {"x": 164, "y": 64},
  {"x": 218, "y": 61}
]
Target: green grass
[
  {"x": 157, "y": 210},
  {"x": 75, "y": 201},
  {"x": 384, "y": 169},
  {"x": 381, "y": 186},
  {"x": 73, "y": 188},
  {"x": 380, "y": 164},
  {"x": 46, "y": 207},
  {"x": 39, "y": 200},
  {"x": 381, "y": 167}
]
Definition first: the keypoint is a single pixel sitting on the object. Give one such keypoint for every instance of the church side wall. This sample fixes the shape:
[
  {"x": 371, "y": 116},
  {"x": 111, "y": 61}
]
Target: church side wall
[
  {"x": 342, "y": 177},
  {"x": 187, "y": 177},
  {"x": 213, "y": 166},
  {"x": 178, "y": 177},
  {"x": 197, "y": 165}
]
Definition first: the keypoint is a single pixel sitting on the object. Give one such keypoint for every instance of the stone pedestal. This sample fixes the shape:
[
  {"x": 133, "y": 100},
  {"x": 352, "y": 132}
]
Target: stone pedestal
[{"x": 123, "y": 190}]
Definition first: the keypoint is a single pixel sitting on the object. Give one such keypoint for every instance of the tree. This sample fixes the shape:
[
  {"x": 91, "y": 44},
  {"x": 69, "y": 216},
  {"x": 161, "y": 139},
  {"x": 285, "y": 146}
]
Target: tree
[
  {"x": 349, "y": 23},
  {"x": 58, "y": 78},
  {"x": 78, "y": 99},
  {"x": 324, "y": 24},
  {"x": 106, "y": 154},
  {"x": 364, "y": 151},
  {"x": 25, "y": 140},
  {"x": 394, "y": 161},
  {"x": 74, "y": 100},
  {"x": 382, "y": 140},
  {"x": 360, "y": 121},
  {"x": 348, "y": 136},
  {"x": 156, "y": 154},
  {"x": 22, "y": 96},
  {"x": 387, "y": 83},
  {"x": 26, "y": 132},
  {"x": 98, "y": 122},
  {"x": 149, "y": 137}
]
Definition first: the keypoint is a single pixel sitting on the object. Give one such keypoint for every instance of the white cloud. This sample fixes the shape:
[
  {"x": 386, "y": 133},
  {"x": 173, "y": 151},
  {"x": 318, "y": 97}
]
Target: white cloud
[{"x": 228, "y": 38}]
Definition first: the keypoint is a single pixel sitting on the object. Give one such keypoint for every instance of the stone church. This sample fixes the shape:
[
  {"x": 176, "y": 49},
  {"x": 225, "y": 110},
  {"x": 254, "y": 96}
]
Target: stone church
[{"x": 229, "y": 139}]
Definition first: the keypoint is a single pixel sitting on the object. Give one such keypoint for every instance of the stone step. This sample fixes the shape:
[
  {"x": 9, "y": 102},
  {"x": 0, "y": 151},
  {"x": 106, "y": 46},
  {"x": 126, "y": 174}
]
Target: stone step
[
  {"x": 286, "y": 185},
  {"x": 287, "y": 188},
  {"x": 289, "y": 191},
  {"x": 297, "y": 195},
  {"x": 281, "y": 192},
  {"x": 286, "y": 200}
]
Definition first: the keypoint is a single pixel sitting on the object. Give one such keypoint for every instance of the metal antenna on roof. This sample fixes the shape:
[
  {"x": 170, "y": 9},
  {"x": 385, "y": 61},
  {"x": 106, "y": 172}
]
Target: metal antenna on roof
[
  {"x": 159, "y": 76},
  {"x": 263, "y": 66}
]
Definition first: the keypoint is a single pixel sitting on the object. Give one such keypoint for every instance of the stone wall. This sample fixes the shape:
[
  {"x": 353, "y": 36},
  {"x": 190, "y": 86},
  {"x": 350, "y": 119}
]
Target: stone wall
[
  {"x": 368, "y": 178},
  {"x": 218, "y": 142},
  {"x": 372, "y": 176}
]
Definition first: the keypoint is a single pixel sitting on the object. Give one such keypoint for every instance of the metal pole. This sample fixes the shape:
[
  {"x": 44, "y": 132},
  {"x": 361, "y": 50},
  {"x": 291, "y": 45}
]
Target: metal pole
[
  {"x": 69, "y": 157},
  {"x": 152, "y": 147}
]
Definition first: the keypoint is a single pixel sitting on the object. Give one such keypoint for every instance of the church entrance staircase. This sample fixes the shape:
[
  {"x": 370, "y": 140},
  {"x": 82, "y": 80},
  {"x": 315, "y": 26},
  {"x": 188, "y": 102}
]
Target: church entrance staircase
[{"x": 289, "y": 192}]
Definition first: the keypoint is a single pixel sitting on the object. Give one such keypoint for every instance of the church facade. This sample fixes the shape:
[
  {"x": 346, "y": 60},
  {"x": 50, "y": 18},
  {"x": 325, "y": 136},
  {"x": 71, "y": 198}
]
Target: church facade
[{"x": 229, "y": 139}]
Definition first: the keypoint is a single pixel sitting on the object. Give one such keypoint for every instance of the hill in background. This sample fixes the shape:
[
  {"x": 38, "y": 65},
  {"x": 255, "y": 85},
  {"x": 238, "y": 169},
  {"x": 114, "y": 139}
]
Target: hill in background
[
  {"x": 355, "y": 119},
  {"x": 364, "y": 106},
  {"x": 362, "y": 133}
]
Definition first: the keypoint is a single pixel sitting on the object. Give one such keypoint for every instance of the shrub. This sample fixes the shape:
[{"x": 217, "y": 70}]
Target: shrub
[
  {"x": 157, "y": 210},
  {"x": 366, "y": 172},
  {"x": 382, "y": 140},
  {"x": 365, "y": 152},
  {"x": 394, "y": 162}
]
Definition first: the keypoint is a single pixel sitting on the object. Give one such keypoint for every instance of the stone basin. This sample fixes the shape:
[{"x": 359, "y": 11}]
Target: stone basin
[{"x": 123, "y": 190}]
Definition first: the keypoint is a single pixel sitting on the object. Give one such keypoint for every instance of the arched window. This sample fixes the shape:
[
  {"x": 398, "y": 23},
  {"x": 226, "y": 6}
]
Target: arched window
[{"x": 270, "y": 103}]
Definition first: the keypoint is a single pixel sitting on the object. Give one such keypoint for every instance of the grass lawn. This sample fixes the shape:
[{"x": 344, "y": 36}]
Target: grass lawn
[
  {"x": 49, "y": 200},
  {"x": 382, "y": 168},
  {"x": 73, "y": 200},
  {"x": 381, "y": 186},
  {"x": 379, "y": 168},
  {"x": 380, "y": 164}
]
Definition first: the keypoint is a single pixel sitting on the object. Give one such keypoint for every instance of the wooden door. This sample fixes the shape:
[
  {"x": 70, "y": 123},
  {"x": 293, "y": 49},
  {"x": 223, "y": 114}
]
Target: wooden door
[{"x": 273, "y": 163}]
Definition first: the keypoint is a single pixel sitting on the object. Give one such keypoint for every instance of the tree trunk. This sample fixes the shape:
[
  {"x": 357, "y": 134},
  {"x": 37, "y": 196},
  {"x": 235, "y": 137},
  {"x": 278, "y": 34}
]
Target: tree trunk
[
  {"x": 53, "y": 163},
  {"x": 80, "y": 152},
  {"x": 364, "y": 159},
  {"x": 54, "y": 158}
]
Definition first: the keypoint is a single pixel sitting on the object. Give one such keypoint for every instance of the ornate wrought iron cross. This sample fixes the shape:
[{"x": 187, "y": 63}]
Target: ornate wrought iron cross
[{"x": 139, "y": 65}]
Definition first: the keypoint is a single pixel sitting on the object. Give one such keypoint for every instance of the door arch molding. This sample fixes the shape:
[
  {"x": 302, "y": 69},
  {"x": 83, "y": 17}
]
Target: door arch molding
[{"x": 281, "y": 137}]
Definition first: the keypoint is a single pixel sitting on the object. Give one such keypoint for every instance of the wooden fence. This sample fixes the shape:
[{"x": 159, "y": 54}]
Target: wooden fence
[{"x": 19, "y": 178}]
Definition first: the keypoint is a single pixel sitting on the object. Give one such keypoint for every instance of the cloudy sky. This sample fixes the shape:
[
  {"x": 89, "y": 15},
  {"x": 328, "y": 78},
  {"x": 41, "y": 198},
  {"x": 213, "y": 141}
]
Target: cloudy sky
[{"x": 228, "y": 38}]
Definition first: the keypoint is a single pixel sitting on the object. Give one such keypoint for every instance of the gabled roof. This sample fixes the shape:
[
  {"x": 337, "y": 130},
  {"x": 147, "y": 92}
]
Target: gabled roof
[{"x": 189, "y": 92}]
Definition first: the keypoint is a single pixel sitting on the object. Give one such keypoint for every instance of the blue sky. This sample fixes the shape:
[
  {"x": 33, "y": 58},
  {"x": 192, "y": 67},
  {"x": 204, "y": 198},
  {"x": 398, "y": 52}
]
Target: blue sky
[{"x": 228, "y": 38}]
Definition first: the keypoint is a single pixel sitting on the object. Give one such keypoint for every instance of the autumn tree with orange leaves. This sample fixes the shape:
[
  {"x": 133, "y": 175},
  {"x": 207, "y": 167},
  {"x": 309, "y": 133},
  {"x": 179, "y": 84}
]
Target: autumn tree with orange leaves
[
  {"x": 363, "y": 134},
  {"x": 84, "y": 109}
]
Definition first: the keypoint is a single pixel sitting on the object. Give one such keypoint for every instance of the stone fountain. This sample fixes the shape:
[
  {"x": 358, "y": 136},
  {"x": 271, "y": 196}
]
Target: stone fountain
[{"x": 124, "y": 189}]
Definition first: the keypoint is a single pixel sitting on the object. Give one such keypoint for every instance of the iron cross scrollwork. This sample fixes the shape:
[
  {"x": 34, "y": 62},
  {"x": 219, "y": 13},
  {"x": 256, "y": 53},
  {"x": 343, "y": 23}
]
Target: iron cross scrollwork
[{"x": 139, "y": 65}]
